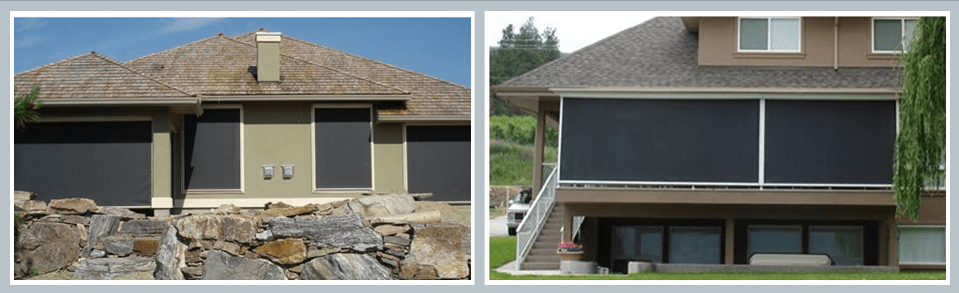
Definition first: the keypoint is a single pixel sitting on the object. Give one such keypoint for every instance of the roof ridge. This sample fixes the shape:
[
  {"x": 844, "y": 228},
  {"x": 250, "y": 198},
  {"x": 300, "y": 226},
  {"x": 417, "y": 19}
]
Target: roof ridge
[
  {"x": 48, "y": 65},
  {"x": 331, "y": 69},
  {"x": 117, "y": 63},
  {"x": 579, "y": 52},
  {"x": 380, "y": 62},
  {"x": 176, "y": 48},
  {"x": 364, "y": 58}
]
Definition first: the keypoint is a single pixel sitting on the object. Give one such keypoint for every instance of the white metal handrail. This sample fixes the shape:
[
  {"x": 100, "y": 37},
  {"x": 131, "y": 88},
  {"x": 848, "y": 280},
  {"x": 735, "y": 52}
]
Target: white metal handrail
[{"x": 535, "y": 218}]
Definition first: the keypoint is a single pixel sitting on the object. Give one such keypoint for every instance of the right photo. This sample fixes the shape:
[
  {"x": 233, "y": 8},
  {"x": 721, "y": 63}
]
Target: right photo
[{"x": 726, "y": 146}]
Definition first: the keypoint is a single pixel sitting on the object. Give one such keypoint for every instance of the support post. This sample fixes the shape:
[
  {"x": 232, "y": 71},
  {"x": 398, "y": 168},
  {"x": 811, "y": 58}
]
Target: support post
[
  {"x": 730, "y": 251},
  {"x": 567, "y": 223},
  {"x": 539, "y": 142}
]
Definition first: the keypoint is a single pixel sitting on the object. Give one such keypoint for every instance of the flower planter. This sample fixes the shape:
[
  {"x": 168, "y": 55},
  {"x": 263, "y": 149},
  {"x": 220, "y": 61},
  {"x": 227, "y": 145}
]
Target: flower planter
[{"x": 570, "y": 255}]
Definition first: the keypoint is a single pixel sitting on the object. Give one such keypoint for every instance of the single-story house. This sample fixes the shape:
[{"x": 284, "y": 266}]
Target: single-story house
[{"x": 245, "y": 120}]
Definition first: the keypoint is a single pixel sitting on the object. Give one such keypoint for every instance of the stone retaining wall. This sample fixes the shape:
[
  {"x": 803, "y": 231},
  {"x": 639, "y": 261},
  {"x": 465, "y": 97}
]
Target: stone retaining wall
[{"x": 377, "y": 237}]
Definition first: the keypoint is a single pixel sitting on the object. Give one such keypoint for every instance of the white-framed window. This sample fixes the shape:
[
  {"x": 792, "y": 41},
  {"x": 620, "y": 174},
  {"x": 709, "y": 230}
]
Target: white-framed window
[
  {"x": 212, "y": 150},
  {"x": 892, "y": 35},
  {"x": 342, "y": 138},
  {"x": 770, "y": 34},
  {"x": 922, "y": 244}
]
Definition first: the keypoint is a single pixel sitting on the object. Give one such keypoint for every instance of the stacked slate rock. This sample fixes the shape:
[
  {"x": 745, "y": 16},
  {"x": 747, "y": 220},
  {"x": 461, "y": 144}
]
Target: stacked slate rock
[{"x": 369, "y": 238}]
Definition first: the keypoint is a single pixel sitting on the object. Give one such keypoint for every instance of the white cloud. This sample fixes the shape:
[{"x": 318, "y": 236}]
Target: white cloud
[
  {"x": 575, "y": 29},
  {"x": 188, "y": 24},
  {"x": 28, "y": 41},
  {"x": 25, "y": 24}
]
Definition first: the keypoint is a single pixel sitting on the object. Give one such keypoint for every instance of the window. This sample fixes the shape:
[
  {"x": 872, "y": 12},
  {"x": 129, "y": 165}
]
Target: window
[
  {"x": 922, "y": 245},
  {"x": 892, "y": 35},
  {"x": 770, "y": 34},
  {"x": 343, "y": 147},
  {"x": 212, "y": 154},
  {"x": 699, "y": 245},
  {"x": 844, "y": 244},
  {"x": 638, "y": 243},
  {"x": 774, "y": 239}
]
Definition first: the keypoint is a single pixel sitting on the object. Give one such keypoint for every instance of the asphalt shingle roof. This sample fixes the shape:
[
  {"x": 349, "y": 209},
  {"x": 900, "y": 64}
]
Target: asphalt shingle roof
[
  {"x": 662, "y": 53},
  {"x": 92, "y": 75}
]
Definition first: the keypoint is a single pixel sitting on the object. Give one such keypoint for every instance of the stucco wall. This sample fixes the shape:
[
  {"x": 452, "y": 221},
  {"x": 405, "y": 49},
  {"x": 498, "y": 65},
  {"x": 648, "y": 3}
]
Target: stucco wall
[{"x": 718, "y": 37}]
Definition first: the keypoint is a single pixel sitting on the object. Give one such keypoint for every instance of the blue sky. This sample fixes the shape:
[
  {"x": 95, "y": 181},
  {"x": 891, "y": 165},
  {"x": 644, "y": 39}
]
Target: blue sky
[{"x": 438, "y": 47}]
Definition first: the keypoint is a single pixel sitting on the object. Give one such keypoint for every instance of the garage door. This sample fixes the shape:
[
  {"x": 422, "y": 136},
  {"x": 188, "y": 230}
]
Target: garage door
[
  {"x": 108, "y": 162},
  {"x": 439, "y": 161}
]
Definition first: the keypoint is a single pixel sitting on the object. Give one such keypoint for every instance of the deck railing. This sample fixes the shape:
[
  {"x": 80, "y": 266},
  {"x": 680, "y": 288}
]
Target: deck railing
[{"x": 532, "y": 223}]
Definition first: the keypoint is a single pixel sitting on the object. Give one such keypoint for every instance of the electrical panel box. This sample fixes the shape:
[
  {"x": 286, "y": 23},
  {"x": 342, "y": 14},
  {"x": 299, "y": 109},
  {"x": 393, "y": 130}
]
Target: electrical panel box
[{"x": 287, "y": 171}]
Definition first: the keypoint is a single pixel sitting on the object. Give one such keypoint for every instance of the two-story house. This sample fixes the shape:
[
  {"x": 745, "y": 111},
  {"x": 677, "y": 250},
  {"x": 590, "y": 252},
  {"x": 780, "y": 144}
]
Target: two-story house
[{"x": 707, "y": 140}]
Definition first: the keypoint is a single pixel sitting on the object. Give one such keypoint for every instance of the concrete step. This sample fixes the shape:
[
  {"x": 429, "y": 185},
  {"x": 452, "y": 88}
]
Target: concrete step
[
  {"x": 540, "y": 266},
  {"x": 542, "y": 258},
  {"x": 542, "y": 251}
]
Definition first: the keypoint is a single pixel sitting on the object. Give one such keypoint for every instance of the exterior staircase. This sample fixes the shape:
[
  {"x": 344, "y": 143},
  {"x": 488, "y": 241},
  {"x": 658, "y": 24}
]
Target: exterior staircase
[{"x": 542, "y": 255}]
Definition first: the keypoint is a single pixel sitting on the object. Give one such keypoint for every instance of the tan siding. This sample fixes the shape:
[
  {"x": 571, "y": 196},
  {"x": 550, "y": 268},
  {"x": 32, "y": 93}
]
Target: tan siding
[{"x": 718, "y": 37}]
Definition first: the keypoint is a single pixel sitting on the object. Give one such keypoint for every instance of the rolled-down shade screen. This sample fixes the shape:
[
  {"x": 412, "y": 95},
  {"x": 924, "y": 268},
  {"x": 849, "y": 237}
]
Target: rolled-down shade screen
[
  {"x": 108, "y": 162},
  {"x": 830, "y": 142},
  {"x": 632, "y": 140},
  {"x": 212, "y": 149},
  {"x": 439, "y": 161},
  {"x": 343, "y": 148}
]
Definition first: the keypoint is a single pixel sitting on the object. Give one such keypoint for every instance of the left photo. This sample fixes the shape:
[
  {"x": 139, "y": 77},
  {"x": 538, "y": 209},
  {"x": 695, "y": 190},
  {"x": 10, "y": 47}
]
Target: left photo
[{"x": 242, "y": 148}]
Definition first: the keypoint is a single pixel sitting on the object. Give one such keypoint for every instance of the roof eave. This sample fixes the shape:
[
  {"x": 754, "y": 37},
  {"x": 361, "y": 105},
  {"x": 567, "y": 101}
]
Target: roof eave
[
  {"x": 424, "y": 118},
  {"x": 293, "y": 98},
  {"x": 186, "y": 101}
]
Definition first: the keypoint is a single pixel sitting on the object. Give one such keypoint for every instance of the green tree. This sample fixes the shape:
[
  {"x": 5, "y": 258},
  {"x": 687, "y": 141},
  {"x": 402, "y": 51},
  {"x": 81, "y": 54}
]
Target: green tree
[
  {"x": 519, "y": 52},
  {"x": 921, "y": 144},
  {"x": 24, "y": 108}
]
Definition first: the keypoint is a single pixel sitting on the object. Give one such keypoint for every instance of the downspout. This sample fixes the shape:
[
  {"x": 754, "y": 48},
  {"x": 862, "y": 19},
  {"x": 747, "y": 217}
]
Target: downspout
[
  {"x": 835, "y": 44},
  {"x": 198, "y": 106}
]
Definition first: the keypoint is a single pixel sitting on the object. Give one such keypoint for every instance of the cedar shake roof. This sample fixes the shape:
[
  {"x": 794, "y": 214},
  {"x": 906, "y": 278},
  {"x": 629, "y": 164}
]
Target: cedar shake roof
[
  {"x": 662, "y": 53},
  {"x": 225, "y": 66},
  {"x": 220, "y": 65},
  {"x": 92, "y": 75},
  {"x": 429, "y": 95}
]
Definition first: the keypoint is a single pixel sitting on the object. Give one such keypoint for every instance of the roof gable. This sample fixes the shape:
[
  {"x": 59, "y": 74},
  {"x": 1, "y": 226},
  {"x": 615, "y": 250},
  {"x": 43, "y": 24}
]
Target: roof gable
[
  {"x": 220, "y": 65},
  {"x": 93, "y": 76},
  {"x": 661, "y": 52}
]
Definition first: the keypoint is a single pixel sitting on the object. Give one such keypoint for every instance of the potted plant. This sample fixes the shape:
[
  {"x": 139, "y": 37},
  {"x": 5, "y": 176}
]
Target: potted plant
[{"x": 569, "y": 251}]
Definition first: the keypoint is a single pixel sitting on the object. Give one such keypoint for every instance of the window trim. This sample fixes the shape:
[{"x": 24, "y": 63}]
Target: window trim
[
  {"x": 313, "y": 187},
  {"x": 769, "y": 19},
  {"x": 899, "y": 229},
  {"x": 194, "y": 191},
  {"x": 902, "y": 30}
]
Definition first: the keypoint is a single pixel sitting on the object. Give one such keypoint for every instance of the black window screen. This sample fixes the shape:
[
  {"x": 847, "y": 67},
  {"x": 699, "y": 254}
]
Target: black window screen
[
  {"x": 660, "y": 140},
  {"x": 108, "y": 162},
  {"x": 343, "y": 148},
  {"x": 439, "y": 161},
  {"x": 212, "y": 149},
  {"x": 830, "y": 141}
]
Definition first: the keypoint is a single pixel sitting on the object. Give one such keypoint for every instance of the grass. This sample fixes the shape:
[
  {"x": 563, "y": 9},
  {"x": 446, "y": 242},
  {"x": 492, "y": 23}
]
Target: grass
[
  {"x": 496, "y": 213},
  {"x": 503, "y": 250},
  {"x": 512, "y": 164}
]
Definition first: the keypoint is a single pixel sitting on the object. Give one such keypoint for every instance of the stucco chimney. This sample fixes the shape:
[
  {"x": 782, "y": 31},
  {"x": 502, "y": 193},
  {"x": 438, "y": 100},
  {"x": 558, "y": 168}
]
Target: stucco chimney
[{"x": 268, "y": 56}]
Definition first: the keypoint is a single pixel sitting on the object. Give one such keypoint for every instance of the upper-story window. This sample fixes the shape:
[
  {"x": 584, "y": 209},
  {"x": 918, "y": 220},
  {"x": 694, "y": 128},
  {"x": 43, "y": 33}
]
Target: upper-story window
[
  {"x": 770, "y": 34},
  {"x": 892, "y": 35}
]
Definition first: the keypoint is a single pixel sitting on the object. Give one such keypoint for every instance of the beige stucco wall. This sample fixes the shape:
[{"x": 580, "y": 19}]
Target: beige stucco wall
[
  {"x": 280, "y": 134},
  {"x": 718, "y": 37}
]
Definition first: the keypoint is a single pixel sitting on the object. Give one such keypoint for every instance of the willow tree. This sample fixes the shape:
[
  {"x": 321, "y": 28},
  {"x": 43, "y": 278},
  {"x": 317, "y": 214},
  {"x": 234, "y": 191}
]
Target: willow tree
[{"x": 921, "y": 144}]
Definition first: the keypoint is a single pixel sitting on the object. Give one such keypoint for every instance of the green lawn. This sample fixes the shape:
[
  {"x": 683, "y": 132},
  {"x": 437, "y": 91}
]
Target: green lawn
[
  {"x": 503, "y": 250},
  {"x": 512, "y": 164}
]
